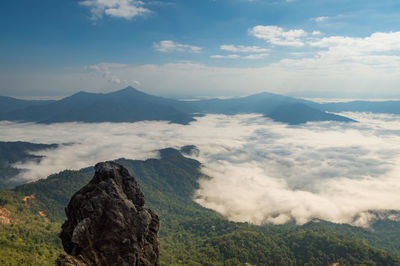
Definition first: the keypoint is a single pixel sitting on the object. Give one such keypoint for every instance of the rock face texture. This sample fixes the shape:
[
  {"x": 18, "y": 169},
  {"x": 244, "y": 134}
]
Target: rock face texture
[{"x": 107, "y": 223}]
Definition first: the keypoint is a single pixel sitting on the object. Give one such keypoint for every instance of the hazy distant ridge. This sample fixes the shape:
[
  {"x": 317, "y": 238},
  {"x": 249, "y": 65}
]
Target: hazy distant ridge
[
  {"x": 389, "y": 107},
  {"x": 131, "y": 105},
  {"x": 127, "y": 105},
  {"x": 9, "y": 104}
]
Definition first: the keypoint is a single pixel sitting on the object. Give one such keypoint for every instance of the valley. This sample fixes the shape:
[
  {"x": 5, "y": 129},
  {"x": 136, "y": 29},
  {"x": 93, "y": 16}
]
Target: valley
[
  {"x": 189, "y": 234},
  {"x": 212, "y": 132}
]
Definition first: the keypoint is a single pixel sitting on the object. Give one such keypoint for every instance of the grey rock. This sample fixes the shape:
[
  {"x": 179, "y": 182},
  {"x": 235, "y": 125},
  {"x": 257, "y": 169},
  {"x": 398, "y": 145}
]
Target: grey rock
[{"x": 107, "y": 223}]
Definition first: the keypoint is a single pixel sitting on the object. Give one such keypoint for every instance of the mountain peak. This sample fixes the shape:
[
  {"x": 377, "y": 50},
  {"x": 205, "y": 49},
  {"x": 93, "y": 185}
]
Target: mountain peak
[
  {"x": 129, "y": 88},
  {"x": 129, "y": 91}
]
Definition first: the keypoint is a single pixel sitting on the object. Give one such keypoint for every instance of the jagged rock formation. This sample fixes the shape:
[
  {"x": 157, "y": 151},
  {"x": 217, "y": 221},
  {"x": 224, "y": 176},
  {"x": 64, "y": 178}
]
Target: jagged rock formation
[{"x": 107, "y": 223}]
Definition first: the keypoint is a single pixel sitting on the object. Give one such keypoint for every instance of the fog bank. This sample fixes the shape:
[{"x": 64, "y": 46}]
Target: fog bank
[{"x": 261, "y": 171}]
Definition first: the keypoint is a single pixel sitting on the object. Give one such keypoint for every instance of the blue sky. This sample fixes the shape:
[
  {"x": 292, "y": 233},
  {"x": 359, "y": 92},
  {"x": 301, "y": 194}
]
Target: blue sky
[{"x": 322, "y": 48}]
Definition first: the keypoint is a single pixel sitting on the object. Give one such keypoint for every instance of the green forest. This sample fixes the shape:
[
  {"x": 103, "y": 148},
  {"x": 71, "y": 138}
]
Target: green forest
[
  {"x": 18, "y": 151},
  {"x": 32, "y": 215}
]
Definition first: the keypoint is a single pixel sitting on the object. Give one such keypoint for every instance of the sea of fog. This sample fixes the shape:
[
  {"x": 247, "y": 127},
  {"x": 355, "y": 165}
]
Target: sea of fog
[{"x": 261, "y": 171}]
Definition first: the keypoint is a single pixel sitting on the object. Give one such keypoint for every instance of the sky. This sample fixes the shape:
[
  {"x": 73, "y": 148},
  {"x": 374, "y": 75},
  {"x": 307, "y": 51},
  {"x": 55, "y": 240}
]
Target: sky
[
  {"x": 261, "y": 171},
  {"x": 201, "y": 48}
]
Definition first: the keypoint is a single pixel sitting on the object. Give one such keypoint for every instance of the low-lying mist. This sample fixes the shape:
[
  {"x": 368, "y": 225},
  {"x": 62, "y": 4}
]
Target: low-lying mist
[{"x": 261, "y": 171}]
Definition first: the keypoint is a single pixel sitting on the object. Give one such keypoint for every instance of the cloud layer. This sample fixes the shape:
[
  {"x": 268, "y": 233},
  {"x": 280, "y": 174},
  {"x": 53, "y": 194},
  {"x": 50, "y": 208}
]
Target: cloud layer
[
  {"x": 262, "y": 172},
  {"x": 235, "y": 56},
  {"x": 330, "y": 72},
  {"x": 243, "y": 49},
  {"x": 168, "y": 46},
  {"x": 278, "y": 36},
  {"x": 314, "y": 65},
  {"x": 126, "y": 9}
]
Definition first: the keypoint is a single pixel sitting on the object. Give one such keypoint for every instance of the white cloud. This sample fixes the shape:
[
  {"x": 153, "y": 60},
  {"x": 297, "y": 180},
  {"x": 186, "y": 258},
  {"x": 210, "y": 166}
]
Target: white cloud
[
  {"x": 378, "y": 51},
  {"x": 262, "y": 172},
  {"x": 335, "y": 65},
  {"x": 377, "y": 42},
  {"x": 116, "y": 80},
  {"x": 126, "y": 9},
  {"x": 95, "y": 68},
  {"x": 160, "y": 3},
  {"x": 255, "y": 56},
  {"x": 105, "y": 70},
  {"x": 231, "y": 56},
  {"x": 243, "y": 49},
  {"x": 316, "y": 32},
  {"x": 321, "y": 19},
  {"x": 323, "y": 72},
  {"x": 169, "y": 46},
  {"x": 257, "y": 51},
  {"x": 124, "y": 82},
  {"x": 277, "y": 36},
  {"x": 235, "y": 56}
]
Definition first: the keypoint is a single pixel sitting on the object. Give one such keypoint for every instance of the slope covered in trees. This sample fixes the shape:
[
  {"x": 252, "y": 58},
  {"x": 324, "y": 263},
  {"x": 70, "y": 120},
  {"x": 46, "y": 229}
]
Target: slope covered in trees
[
  {"x": 12, "y": 152},
  {"x": 189, "y": 233}
]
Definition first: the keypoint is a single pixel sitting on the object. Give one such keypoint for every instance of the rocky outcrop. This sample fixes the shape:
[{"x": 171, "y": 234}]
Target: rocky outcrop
[{"x": 107, "y": 223}]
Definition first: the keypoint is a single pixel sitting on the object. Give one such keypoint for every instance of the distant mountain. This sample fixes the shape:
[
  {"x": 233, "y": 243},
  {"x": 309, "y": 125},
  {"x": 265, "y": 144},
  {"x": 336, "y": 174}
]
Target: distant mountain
[
  {"x": 131, "y": 105},
  {"x": 127, "y": 105},
  {"x": 284, "y": 113},
  {"x": 12, "y": 152},
  {"x": 9, "y": 104},
  {"x": 262, "y": 103},
  {"x": 280, "y": 108},
  {"x": 390, "y": 107}
]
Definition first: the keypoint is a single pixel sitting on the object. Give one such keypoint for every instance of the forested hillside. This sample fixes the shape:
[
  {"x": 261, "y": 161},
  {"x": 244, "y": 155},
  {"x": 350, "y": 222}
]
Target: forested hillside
[
  {"x": 190, "y": 234},
  {"x": 12, "y": 152}
]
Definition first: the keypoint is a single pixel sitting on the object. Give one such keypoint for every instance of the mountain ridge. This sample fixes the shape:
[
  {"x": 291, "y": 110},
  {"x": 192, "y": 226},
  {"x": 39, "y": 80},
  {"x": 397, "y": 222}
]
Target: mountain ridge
[
  {"x": 126, "y": 105},
  {"x": 8, "y": 104},
  {"x": 132, "y": 105},
  {"x": 17, "y": 151}
]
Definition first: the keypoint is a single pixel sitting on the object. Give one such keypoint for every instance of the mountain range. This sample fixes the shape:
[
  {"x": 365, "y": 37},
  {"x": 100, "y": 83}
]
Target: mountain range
[
  {"x": 389, "y": 107},
  {"x": 9, "y": 104},
  {"x": 127, "y": 105},
  {"x": 131, "y": 105}
]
